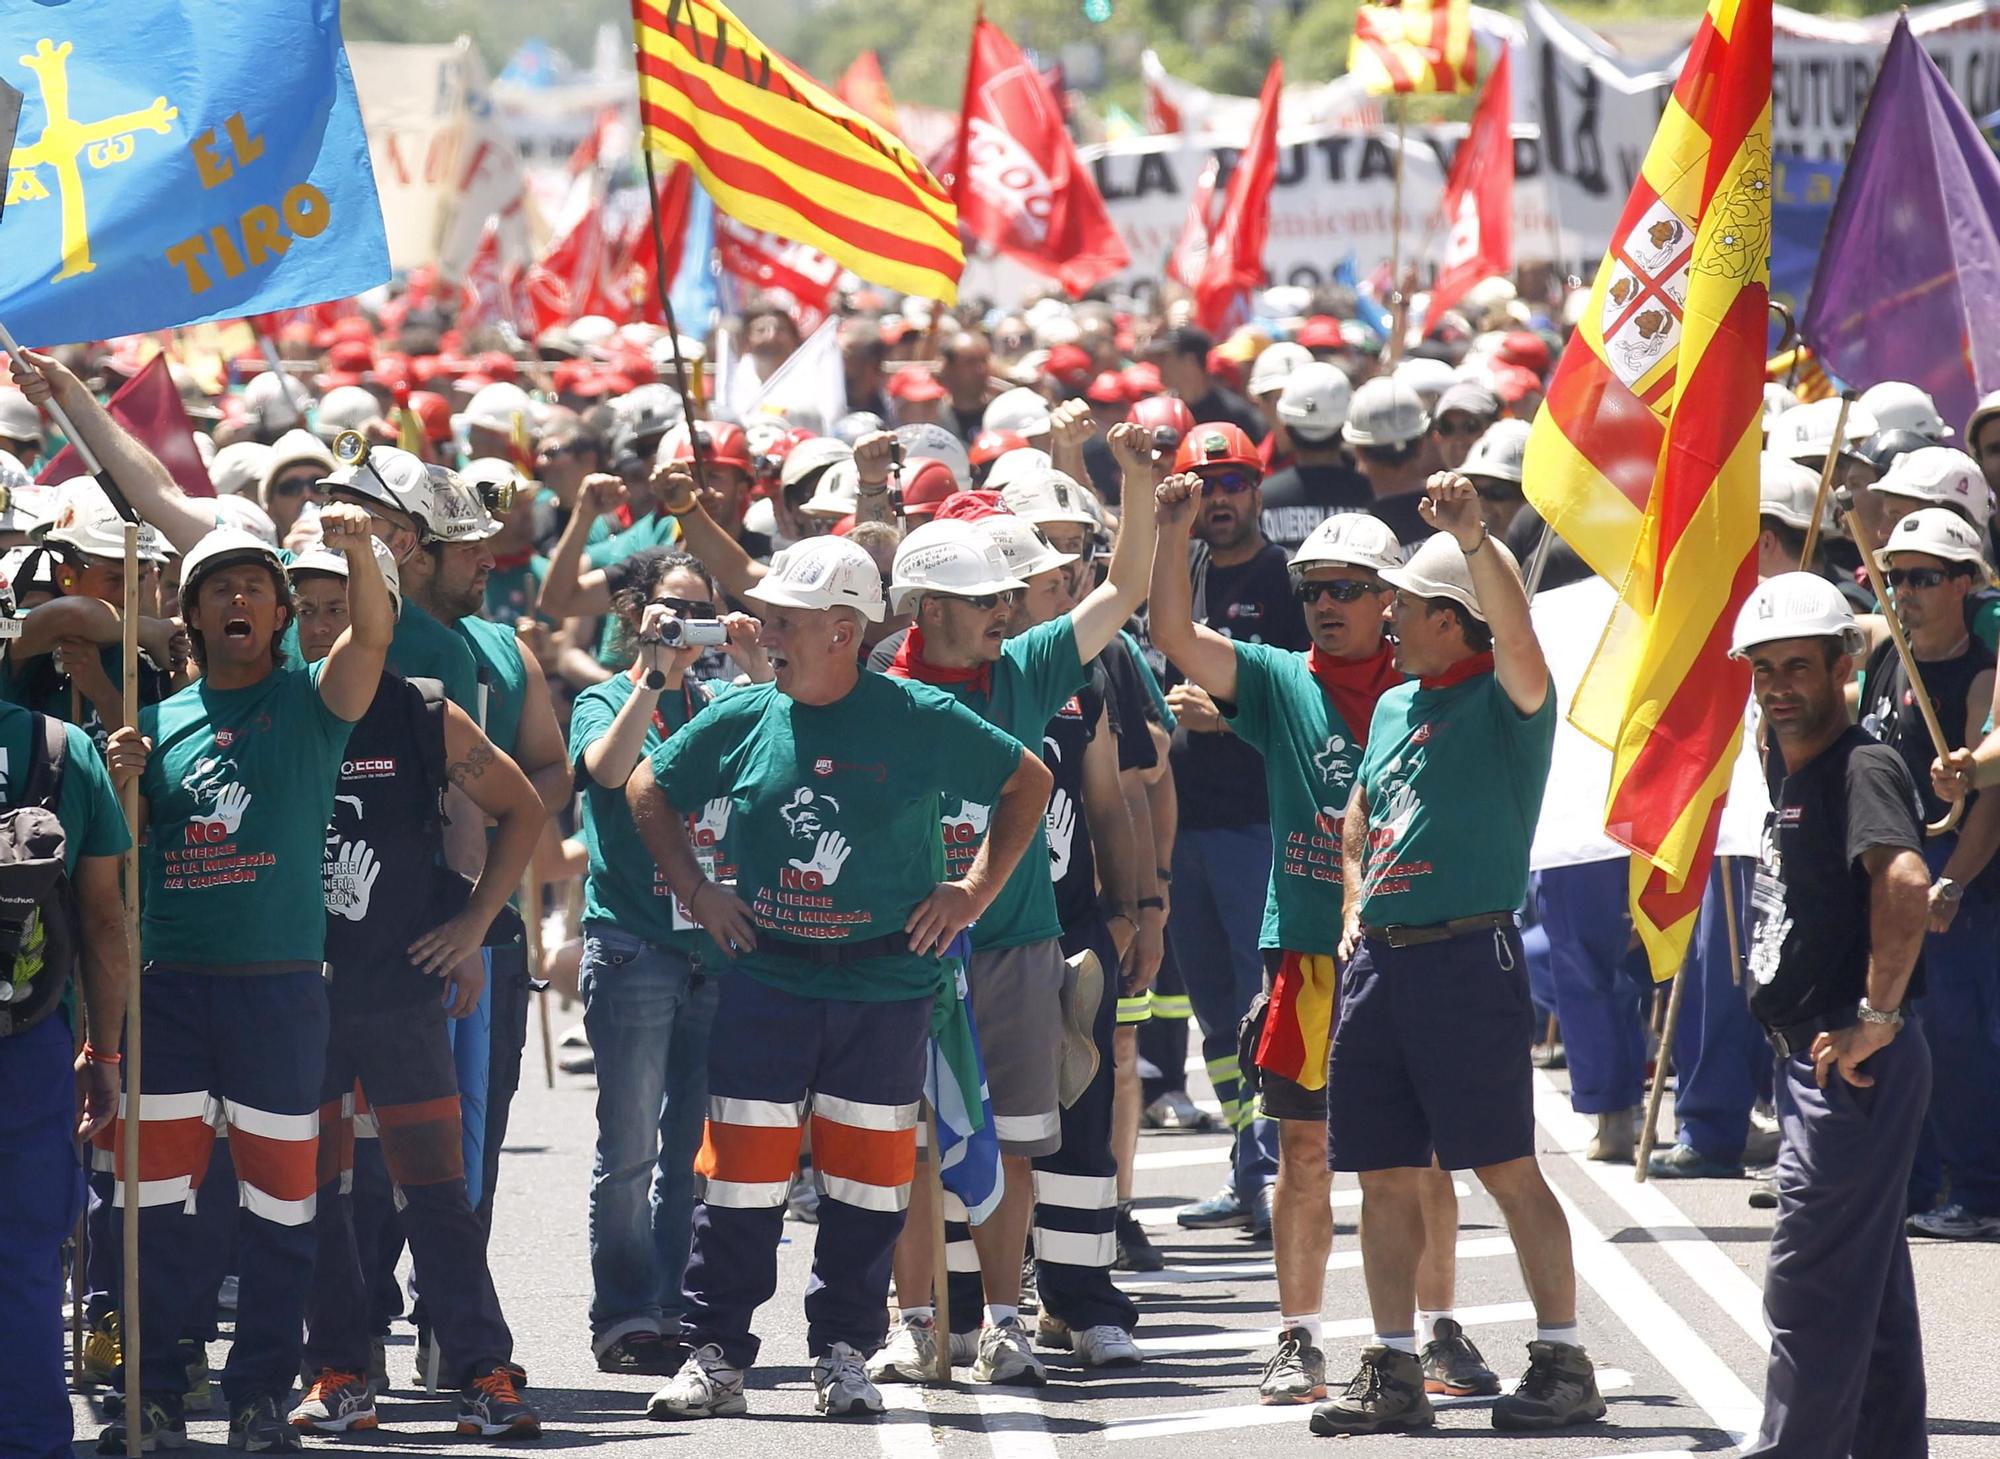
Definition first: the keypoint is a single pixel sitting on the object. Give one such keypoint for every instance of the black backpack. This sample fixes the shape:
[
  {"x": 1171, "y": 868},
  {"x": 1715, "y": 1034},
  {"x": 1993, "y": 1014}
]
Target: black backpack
[{"x": 39, "y": 930}]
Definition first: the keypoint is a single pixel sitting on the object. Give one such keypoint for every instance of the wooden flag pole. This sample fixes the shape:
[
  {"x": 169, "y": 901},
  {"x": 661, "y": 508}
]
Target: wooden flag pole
[
  {"x": 1826, "y": 470},
  {"x": 531, "y": 924},
  {"x": 1398, "y": 321},
  {"x": 128, "y": 1311},
  {"x": 1648, "y": 1127},
  {"x": 667, "y": 316}
]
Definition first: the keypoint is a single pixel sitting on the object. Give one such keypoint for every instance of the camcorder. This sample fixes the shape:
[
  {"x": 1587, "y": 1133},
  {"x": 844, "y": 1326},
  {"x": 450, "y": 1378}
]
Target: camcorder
[{"x": 683, "y": 633}]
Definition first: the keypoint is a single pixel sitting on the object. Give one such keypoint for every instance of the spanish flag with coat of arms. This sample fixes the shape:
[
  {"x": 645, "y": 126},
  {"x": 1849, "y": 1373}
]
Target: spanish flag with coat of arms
[{"x": 1644, "y": 459}]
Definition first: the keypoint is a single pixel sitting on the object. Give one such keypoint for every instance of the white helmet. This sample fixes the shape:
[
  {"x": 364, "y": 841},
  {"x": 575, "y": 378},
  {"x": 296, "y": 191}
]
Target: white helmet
[
  {"x": 27, "y": 505},
  {"x": 1428, "y": 378},
  {"x": 345, "y": 408},
  {"x": 1385, "y": 412},
  {"x": 220, "y": 548},
  {"x": 1501, "y": 452},
  {"x": 496, "y": 407},
  {"x": 1805, "y": 432},
  {"x": 1350, "y": 539},
  {"x": 82, "y": 517},
  {"x": 276, "y": 401},
  {"x": 19, "y": 419},
  {"x": 294, "y": 448},
  {"x": 1022, "y": 546},
  {"x": 1795, "y": 605},
  {"x": 238, "y": 468},
  {"x": 837, "y": 493},
  {"x": 1051, "y": 496},
  {"x": 822, "y": 572},
  {"x": 1315, "y": 401},
  {"x": 334, "y": 564},
  {"x": 925, "y": 442},
  {"x": 1900, "y": 406},
  {"x": 1274, "y": 367},
  {"x": 243, "y": 511},
  {"x": 814, "y": 455},
  {"x": 1787, "y": 490},
  {"x": 1988, "y": 407},
  {"x": 955, "y": 558},
  {"x": 1021, "y": 410},
  {"x": 454, "y": 512},
  {"x": 1940, "y": 533},
  {"x": 649, "y": 410},
  {"x": 1777, "y": 400},
  {"x": 390, "y": 477},
  {"x": 1438, "y": 569},
  {"x": 1941, "y": 477},
  {"x": 1023, "y": 463}
]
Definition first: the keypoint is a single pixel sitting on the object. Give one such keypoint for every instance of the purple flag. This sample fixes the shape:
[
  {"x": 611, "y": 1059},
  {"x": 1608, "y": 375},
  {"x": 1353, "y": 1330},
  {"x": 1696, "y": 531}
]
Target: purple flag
[{"x": 1910, "y": 269}]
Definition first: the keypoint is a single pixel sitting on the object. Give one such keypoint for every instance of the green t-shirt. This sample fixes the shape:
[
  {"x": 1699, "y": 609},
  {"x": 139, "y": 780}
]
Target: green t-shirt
[
  {"x": 1309, "y": 762},
  {"x": 1986, "y": 622},
  {"x": 239, "y": 790},
  {"x": 1151, "y": 681},
  {"x": 1037, "y": 672},
  {"x": 833, "y": 819},
  {"x": 511, "y": 591},
  {"x": 1454, "y": 779},
  {"x": 655, "y": 529},
  {"x": 87, "y": 806},
  {"x": 502, "y": 673}
]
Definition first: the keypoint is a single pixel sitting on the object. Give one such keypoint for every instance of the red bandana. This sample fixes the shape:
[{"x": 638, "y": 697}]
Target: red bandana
[
  {"x": 514, "y": 559},
  {"x": 910, "y": 663},
  {"x": 1459, "y": 672},
  {"x": 1355, "y": 684}
]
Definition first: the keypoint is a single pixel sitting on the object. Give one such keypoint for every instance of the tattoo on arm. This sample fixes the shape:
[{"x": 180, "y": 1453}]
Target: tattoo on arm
[{"x": 472, "y": 766}]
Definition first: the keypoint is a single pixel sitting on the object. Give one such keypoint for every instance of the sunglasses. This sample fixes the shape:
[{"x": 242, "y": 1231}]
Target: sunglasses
[
  {"x": 1916, "y": 577},
  {"x": 294, "y": 485},
  {"x": 987, "y": 602},
  {"x": 691, "y": 608},
  {"x": 1346, "y": 590},
  {"x": 1499, "y": 493},
  {"x": 1229, "y": 483},
  {"x": 1462, "y": 426}
]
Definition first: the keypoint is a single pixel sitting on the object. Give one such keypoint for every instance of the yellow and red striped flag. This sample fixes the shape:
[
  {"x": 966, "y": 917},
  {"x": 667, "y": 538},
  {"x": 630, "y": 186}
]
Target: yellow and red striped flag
[
  {"x": 1414, "y": 45},
  {"x": 1644, "y": 459},
  {"x": 779, "y": 152}
]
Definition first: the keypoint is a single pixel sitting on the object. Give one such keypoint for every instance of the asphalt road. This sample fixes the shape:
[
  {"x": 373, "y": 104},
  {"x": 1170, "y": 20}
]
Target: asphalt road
[{"x": 1669, "y": 1286}]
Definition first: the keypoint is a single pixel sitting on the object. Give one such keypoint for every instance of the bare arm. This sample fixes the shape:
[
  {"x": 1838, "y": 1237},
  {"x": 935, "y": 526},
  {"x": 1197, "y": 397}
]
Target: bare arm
[
  {"x": 872, "y": 455},
  {"x": 1353, "y": 859},
  {"x": 568, "y": 591},
  {"x": 1098, "y": 617},
  {"x": 538, "y": 747},
  {"x": 953, "y": 906},
  {"x": 612, "y": 756},
  {"x": 703, "y": 536},
  {"x": 106, "y": 976},
  {"x": 1197, "y": 650},
  {"x": 1452, "y": 505},
  {"x": 1149, "y": 864},
  {"x": 354, "y": 664}
]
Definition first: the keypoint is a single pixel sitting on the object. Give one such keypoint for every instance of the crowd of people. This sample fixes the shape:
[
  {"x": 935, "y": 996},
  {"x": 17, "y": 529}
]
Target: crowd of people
[{"x": 1082, "y": 677}]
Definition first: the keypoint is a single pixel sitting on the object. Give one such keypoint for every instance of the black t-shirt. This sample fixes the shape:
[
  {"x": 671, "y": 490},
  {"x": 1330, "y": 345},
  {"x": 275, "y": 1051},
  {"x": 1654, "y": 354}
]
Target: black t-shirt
[
  {"x": 1072, "y": 862},
  {"x": 1129, "y": 703},
  {"x": 1219, "y": 778},
  {"x": 1889, "y": 711},
  {"x": 1809, "y": 941},
  {"x": 966, "y": 425},
  {"x": 1102, "y": 467},
  {"x": 1402, "y": 517},
  {"x": 1225, "y": 405},
  {"x": 1299, "y": 498}
]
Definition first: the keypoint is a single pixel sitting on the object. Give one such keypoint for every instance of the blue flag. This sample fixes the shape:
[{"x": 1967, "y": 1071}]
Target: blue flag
[
  {"x": 179, "y": 161},
  {"x": 1801, "y": 208},
  {"x": 968, "y": 1152}
]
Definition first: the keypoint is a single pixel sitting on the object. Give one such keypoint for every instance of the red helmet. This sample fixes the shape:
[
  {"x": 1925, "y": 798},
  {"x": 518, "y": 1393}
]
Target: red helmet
[
  {"x": 1215, "y": 444},
  {"x": 1157, "y": 411},
  {"x": 433, "y": 414},
  {"x": 990, "y": 446},
  {"x": 721, "y": 443},
  {"x": 773, "y": 460}
]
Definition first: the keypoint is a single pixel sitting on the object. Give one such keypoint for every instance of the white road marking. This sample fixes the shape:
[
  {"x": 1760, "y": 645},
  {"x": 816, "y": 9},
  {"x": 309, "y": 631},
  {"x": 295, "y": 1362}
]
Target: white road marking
[
  {"x": 1174, "y": 1159},
  {"x": 1348, "y": 1258},
  {"x": 1013, "y": 1424},
  {"x": 1244, "y": 1339},
  {"x": 1343, "y": 1200},
  {"x": 904, "y": 1430}
]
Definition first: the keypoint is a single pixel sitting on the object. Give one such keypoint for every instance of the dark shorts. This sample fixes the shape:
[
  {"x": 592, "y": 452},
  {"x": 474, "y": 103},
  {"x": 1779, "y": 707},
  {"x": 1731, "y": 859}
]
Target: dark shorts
[
  {"x": 1430, "y": 1056},
  {"x": 1278, "y": 1098}
]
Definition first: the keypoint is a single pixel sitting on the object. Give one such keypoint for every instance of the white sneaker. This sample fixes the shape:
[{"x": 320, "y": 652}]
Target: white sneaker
[
  {"x": 910, "y": 1354},
  {"x": 840, "y": 1387},
  {"x": 1006, "y": 1357},
  {"x": 705, "y": 1387},
  {"x": 1104, "y": 1347}
]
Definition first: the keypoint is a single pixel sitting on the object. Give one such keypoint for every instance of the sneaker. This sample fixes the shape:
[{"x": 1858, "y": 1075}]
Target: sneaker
[
  {"x": 225, "y": 1295},
  {"x": 1386, "y": 1392},
  {"x": 910, "y": 1354},
  {"x": 1954, "y": 1222},
  {"x": 1763, "y": 1191},
  {"x": 335, "y": 1403},
  {"x": 200, "y": 1394},
  {"x": 642, "y": 1352},
  {"x": 1136, "y": 1252},
  {"x": 1684, "y": 1162},
  {"x": 1548, "y": 1056},
  {"x": 1260, "y": 1214},
  {"x": 802, "y": 1200},
  {"x": 1104, "y": 1346},
  {"x": 1173, "y": 1110},
  {"x": 160, "y": 1427},
  {"x": 101, "y": 1352},
  {"x": 578, "y": 1061},
  {"x": 1031, "y": 1288},
  {"x": 1224, "y": 1208},
  {"x": 840, "y": 1387},
  {"x": 492, "y": 1407},
  {"x": 1052, "y": 1332},
  {"x": 705, "y": 1387},
  {"x": 1616, "y": 1138},
  {"x": 1452, "y": 1364},
  {"x": 257, "y": 1429},
  {"x": 1296, "y": 1372},
  {"x": 1005, "y": 1356},
  {"x": 1559, "y": 1389}
]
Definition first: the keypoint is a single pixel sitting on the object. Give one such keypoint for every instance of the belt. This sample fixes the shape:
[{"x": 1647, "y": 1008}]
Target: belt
[
  {"x": 1797, "y": 1038},
  {"x": 827, "y": 954},
  {"x": 1440, "y": 931}
]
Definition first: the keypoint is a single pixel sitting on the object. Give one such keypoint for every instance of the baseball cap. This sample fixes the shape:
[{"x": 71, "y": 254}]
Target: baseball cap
[
  {"x": 928, "y": 485},
  {"x": 820, "y": 573},
  {"x": 1438, "y": 569},
  {"x": 1070, "y": 364},
  {"x": 1109, "y": 388},
  {"x": 915, "y": 386}
]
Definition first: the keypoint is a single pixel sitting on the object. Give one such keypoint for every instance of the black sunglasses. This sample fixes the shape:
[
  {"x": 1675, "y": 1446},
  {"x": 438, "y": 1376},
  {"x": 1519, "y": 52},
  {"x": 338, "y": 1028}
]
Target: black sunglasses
[
  {"x": 1346, "y": 590},
  {"x": 693, "y": 608},
  {"x": 1916, "y": 577},
  {"x": 987, "y": 602},
  {"x": 1498, "y": 492},
  {"x": 294, "y": 485},
  {"x": 1462, "y": 426},
  {"x": 1229, "y": 483}
]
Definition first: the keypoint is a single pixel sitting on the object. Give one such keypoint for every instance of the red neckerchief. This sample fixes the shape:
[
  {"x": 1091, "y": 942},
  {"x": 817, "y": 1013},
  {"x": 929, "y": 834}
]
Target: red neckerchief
[
  {"x": 1459, "y": 672},
  {"x": 910, "y": 663},
  {"x": 514, "y": 559},
  {"x": 1355, "y": 684}
]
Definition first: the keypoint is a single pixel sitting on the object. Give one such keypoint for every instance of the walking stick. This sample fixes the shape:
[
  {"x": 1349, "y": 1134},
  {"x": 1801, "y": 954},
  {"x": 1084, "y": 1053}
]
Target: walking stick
[
  {"x": 531, "y": 922},
  {"x": 1648, "y": 1128},
  {"x": 941, "y": 1261},
  {"x": 1729, "y": 911},
  {"x": 1826, "y": 470},
  {"x": 128, "y": 1314}
]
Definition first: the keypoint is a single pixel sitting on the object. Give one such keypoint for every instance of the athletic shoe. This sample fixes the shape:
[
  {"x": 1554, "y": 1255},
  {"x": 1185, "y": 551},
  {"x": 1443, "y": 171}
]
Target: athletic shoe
[
  {"x": 101, "y": 1352},
  {"x": 1763, "y": 1190},
  {"x": 257, "y": 1429},
  {"x": 1616, "y": 1138},
  {"x": 1386, "y": 1392},
  {"x": 1559, "y": 1389},
  {"x": 1104, "y": 1346},
  {"x": 1684, "y": 1162},
  {"x": 160, "y": 1427},
  {"x": 802, "y": 1200},
  {"x": 225, "y": 1295},
  {"x": 1173, "y": 1110},
  {"x": 910, "y": 1354},
  {"x": 1224, "y": 1208},
  {"x": 1954, "y": 1222},
  {"x": 840, "y": 1387},
  {"x": 1136, "y": 1252},
  {"x": 578, "y": 1061},
  {"x": 200, "y": 1394},
  {"x": 492, "y": 1408},
  {"x": 1452, "y": 1364},
  {"x": 1260, "y": 1214},
  {"x": 1548, "y": 1056},
  {"x": 1296, "y": 1372},
  {"x": 643, "y": 1351},
  {"x": 705, "y": 1387},
  {"x": 1005, "y": 1356},
  {"x": 335, "y": 1403}
]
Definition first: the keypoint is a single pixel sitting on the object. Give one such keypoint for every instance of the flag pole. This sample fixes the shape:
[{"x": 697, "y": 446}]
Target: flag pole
[
  {"x": 61, "y": 417},
  {"x": 933, "y": 1175},
  {"x": 128, "y": 1313},
  {"x": 1826, "y": 471},
  {"x": 1648, "y": 1131},
  {"x": 667, "y": 314},
  {"x": 1398, "y": 319}
]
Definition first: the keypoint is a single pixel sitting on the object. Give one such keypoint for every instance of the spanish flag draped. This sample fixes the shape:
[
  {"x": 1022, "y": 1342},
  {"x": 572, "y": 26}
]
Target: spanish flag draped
[
  {"x": 780, "y": 153},
  {"x": 1644, "y": 459},
  {"x": 1414, "y": 45}
]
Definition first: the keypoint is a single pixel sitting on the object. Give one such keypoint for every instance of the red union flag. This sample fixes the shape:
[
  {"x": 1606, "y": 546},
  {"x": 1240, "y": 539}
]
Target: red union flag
[
  {"x": 797, "y": 273},
  {"x": 1479, "y": 200},
  {"x": 1018, "y": 183}
]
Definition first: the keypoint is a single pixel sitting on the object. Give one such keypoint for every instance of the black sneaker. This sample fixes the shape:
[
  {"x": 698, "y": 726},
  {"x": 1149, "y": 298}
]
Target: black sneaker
[
  {"x": 643, "y": 1352},
  {"x": 160, "y": 1427},
  {"x": 1136, "y": 1252},
  {"x": 1559, "y": 1389},
  {"x": 491, "y": 1408},
  {"x": 258, "y": 1428},
  {"x": 1386, "y": 1392},
  {"x": 1452, "y": 1364}
]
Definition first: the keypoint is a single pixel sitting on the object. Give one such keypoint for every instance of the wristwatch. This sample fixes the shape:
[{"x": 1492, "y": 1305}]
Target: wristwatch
[
  {"x": 1893, "y": 1018},
  {"x": 1947, "y": 890}
]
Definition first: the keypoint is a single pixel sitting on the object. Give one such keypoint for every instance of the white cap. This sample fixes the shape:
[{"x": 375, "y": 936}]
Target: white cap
[
  {"x": 454, "y": 512},
  {"x": 1438, "y": 569},
  {"x": 1385, "y": 412},
  {"x": 243, "y": 511},
  {"x": 1500, "y": 452},
  {"x": 1052, "y": 496},
  {"x": 1021, "y": 410},
  {"x": 1315, "y": 400},
  {"x": 1022, "y": 546},
  {"x": 1427, "y": 377},
  {"x": 495, "y": 407},
  {"x": 19, "y": 419},
  {"x": 238, "y": 468},
  {"x": 1350, "y": 539},
  {"x": 837, "y": 493},
  {"x": 334, "y": 564},
  {"x": 1787, "y": 490},
  {"x": 1942, "y": 477},
  {"x": 814, "y": 455},
  {"x": 1777, "y": 400},
  {"x": 345, "y": 408},
  {"x": 1900, "y": 406},
  {"x": 82, "y": 517},
  {"x": 822, "y": 572},
  {"x": 221, "y": 547},
  {"x": 1274, "y": 367},
  {"x": 390, "y": 476},
  {"x": 1795, "y": 605},
  {"x": 276, "y": 401},
  {"x": 923, "y": 441},
  {"x": 1805, "y": 432},
  {"x": 1939, "y": 532},
  {"x": 292, "y": 449},
  {"x": 956, "y": 558},
  {"x": 1023, "y": 463}
]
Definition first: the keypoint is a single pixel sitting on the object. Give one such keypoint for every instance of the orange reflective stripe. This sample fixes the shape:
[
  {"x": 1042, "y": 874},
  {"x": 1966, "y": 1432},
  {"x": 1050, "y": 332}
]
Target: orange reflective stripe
[
  {"x": 168, "y": 1149},
  {"x": 421, "y": 1142},
  {"x": 287, "y": 1169},
  {"x": 874, "y": 1157},
  {"x": 417, "y": 1112},
  {"x": 748, "y": 1154}
]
